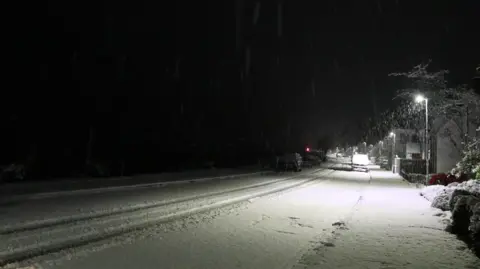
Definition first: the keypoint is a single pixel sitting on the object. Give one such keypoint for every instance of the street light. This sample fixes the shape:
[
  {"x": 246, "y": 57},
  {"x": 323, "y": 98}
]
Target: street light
[
  {"x": 392, "y": 134},
  {"x": 419, "y": 99}
]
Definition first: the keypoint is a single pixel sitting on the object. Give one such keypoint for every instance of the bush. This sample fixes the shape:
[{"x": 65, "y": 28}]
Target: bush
[
  {"x": 455, "y": 195},
  {"x": 445, "y": 198},
  {"x": 466, "y": 221},
  {"x": 441, "y": 201},
  {"x": 462, "y": 213},
  {"x": 463, "y": 199},
  {"x": 474, "y": 229},
  {"x": 417, "y": 178},
  {"x": 477, "y": 171}
]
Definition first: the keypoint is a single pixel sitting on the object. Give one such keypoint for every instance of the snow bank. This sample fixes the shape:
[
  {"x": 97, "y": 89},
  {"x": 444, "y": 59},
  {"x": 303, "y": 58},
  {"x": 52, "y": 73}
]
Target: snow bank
[
  {"x": 430, "y": 192},
  {"x": 442, "y": 200},
  {"x": 472, "y": 186}
]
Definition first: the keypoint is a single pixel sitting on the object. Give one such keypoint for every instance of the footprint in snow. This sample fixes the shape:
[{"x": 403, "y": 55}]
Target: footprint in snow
[
  {"x": 326, "y": 244},
  {"x": 338, "y": 223},
  {"x": 305, "y": 225},
  {"x": 283, "y": 232}
]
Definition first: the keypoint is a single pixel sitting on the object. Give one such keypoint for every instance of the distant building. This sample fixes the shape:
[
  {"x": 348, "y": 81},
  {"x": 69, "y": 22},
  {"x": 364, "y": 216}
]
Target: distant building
[{"x": 407, "y": 144}]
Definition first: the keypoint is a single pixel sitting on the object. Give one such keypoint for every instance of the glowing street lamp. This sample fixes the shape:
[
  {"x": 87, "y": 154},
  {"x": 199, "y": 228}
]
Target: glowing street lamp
[{"x": 420, "y": 99}]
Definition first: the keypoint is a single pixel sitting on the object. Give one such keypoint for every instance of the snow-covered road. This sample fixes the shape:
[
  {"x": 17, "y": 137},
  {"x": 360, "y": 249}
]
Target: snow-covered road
[
  {"x": 342, "y": 220},
  {"x": 27, "y": 211}
]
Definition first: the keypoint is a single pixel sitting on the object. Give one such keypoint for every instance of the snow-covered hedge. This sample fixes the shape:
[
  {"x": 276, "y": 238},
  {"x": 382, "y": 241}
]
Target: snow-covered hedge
[
  {"x": 442, "y": 200},
  {"x": 441, "y": 196},
  {"x": 475, "y": 229},
  {"x": 472, "y": 186},
  {"x": 466, "y": 220},
  {"x": 463, "y": 199}
]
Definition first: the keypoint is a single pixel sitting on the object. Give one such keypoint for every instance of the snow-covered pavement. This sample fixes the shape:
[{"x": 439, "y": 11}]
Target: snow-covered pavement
[
  {"x": 390, "y": 228},
  {"x": 347, "y": 220}
]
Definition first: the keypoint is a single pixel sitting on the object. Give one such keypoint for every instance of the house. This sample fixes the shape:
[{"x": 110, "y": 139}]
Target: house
[
  {"x": 447, "y": 141},
  {"x": 445, "y": 144},
  {"x": 407, "y": 144}
]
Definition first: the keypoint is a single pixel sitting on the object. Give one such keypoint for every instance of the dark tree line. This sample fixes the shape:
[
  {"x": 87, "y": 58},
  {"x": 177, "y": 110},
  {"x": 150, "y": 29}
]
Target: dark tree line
[{"x": 150, "y": 86}]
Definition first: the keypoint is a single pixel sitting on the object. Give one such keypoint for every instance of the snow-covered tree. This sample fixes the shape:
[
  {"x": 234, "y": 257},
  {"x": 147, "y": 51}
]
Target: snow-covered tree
[
  {"x": 477, "y": 171},
  {"x": 444, "y": 101},
  {"x": 470, "y": 163}
]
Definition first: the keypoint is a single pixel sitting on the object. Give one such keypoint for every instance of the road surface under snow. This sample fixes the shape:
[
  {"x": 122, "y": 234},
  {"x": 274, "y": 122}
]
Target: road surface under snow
[
  {"x": 337, "y": 220},
  {"x": 27, "y": 211}
]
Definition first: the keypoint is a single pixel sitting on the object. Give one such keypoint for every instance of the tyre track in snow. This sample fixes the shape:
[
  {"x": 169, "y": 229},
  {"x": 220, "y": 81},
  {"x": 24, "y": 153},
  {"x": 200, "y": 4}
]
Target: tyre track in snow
[
  {"x": 105, "y": 212},
  {"x": 33, "y": 241}
]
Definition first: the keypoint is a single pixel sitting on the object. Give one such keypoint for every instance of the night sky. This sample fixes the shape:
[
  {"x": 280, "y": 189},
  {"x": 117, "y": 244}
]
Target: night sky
[{"x": 173, "y": 78}]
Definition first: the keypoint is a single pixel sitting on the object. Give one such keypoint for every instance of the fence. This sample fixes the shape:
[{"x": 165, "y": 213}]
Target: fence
[{"x": 411, "y": 166}]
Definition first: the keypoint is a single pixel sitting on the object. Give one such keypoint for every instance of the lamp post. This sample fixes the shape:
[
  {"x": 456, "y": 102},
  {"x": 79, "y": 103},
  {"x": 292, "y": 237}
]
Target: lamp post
[
  {"x": 380, "y": 147},
  {"x": 420, "y": 99},
  {"x": 392, "y": 134}
]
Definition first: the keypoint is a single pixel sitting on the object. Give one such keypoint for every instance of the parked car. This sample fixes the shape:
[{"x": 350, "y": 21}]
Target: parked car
[
  {"x": 307, "y": 164},
  {"x": 12, "y": 173},
  {"x": 290, "y": 161},
  {"x": 313, "y": 159},
  {"x": 360, "y": 161},
  {"x": 383, "y": 163}
]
